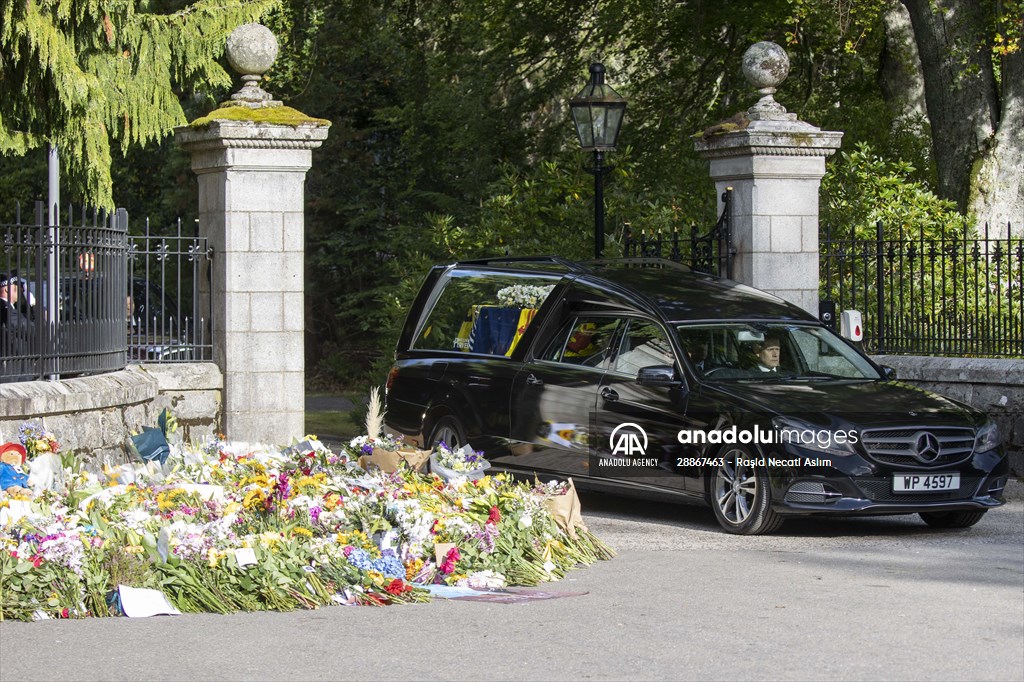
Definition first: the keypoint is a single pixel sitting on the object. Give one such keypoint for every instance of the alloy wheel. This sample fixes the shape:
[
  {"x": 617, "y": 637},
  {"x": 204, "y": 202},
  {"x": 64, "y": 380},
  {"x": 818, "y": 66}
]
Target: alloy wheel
[
  {"x": 449, "y": 433},
  {"x": 735, "y": 490}
]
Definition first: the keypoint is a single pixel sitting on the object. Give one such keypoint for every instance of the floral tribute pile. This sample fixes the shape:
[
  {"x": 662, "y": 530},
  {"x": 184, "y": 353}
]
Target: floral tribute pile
[{"x": 226, "y": 526}]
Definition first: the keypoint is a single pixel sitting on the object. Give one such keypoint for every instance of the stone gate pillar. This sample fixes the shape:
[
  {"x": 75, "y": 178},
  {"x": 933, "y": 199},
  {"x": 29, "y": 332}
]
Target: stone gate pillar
[
  {"x": 251, "y": 156},
  {"x": 774, "y": 163}
]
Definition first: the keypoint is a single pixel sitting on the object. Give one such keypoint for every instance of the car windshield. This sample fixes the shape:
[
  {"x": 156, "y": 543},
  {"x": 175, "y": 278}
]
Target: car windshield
[{"x": 764, "y": 352}]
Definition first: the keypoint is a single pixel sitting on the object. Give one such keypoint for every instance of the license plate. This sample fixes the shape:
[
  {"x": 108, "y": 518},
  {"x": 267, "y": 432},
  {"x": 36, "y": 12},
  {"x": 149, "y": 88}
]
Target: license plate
[{"x": 925, "y": 483}]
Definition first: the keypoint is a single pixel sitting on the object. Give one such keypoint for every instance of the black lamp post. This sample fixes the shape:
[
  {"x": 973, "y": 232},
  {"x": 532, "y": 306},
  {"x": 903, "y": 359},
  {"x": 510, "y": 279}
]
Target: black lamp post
[{"x": 597, "y": 112}]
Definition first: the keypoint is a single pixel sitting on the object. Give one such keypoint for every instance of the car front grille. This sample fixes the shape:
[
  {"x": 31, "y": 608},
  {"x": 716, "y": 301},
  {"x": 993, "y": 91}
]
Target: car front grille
[
  {"x": 899, "y": 446},
  {"x": 880, "y": 490}
]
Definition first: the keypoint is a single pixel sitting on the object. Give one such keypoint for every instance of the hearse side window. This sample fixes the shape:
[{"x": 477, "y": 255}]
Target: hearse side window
[
  {"x": 644, "y": 344},
  {"x": 483, "y": 312},
  {"x": 584, "y": 341}
]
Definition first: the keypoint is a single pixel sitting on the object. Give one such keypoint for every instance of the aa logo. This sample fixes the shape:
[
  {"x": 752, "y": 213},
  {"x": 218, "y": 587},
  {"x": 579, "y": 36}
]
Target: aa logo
[{"x": 628, "y": 439}]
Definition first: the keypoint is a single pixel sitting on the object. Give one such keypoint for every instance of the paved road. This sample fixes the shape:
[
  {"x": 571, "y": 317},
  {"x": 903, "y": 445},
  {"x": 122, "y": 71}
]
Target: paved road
[{"x": 850, "y": 600}]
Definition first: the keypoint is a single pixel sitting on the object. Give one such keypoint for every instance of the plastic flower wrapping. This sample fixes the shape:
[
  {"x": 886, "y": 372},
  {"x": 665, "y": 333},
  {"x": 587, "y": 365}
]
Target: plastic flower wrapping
[
  {"x": 228, "y": 526},
  {"x": 460, "y": 459}
]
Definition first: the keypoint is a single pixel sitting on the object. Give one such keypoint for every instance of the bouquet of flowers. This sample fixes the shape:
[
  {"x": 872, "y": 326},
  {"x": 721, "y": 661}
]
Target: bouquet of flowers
[
  {"x": 523, "y": 295},
  {"x": 378, "y": 450},
  {"x": 37, "y": 440},
  {"x": 449, "y": 463}
]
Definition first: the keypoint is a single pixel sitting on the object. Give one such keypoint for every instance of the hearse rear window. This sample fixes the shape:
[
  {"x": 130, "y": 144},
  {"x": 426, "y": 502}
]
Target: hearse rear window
[{"x": 483, "y": 312}]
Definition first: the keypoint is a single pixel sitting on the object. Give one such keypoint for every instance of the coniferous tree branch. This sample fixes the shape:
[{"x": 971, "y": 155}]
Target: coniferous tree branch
[{"x": 85, "y": 75}]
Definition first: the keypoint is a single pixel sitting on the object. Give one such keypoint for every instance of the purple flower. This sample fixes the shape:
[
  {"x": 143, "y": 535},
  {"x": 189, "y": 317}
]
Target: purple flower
[
  {"x": 314, "y": 514},
  {"x": 283, "y": 488},
  {"x": 367, "y": 449}
]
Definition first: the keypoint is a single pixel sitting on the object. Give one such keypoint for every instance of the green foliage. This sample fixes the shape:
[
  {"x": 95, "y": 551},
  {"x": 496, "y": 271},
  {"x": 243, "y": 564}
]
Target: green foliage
[
  {"x": 862, "y": 188},
  {"x": 84, "y": 75},
  {"x": 451, "y": 135}
]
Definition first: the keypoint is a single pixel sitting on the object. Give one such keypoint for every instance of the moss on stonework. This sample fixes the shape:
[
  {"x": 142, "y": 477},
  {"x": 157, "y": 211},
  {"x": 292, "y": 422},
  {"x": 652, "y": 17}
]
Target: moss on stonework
[
  {"x": 275, "y": 115},
  {"x": 732, "y": 124}
]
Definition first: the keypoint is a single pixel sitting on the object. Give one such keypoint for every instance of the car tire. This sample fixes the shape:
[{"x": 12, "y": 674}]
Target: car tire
[
  {"x": 952, "y": 519},
  {"x": 741, "y": 496},
  {"x": 448, "y": 429}
]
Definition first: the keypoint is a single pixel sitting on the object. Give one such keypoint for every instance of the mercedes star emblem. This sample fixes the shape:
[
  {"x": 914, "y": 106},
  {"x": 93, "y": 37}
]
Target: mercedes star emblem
[{"x": 926, "y": 447}]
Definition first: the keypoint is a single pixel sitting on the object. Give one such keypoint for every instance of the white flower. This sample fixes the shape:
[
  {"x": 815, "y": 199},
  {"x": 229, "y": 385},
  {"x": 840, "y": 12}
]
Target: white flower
[
  {"x": 525, "y": 521},
  {"x": 523, "y": 295}
]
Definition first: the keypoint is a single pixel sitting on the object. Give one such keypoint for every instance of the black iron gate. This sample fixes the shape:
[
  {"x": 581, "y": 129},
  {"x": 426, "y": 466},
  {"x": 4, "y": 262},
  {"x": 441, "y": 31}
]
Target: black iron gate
[
  {"x": 62, "y": 295},
  {"x": 85, "y": 297},
  {"x": 712, "y": 252}
]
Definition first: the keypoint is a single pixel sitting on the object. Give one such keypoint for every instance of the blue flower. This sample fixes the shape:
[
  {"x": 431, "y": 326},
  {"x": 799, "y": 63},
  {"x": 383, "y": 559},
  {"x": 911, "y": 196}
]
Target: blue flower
[
  {"x": 389, "y": 565},
  {"x": 360, "y": 558}
]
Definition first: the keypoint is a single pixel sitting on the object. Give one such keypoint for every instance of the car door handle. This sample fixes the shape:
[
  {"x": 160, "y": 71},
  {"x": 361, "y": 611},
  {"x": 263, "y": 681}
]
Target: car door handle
[
  {"x": 609, "y": 394},
  {"x": 534, "y": 381}
]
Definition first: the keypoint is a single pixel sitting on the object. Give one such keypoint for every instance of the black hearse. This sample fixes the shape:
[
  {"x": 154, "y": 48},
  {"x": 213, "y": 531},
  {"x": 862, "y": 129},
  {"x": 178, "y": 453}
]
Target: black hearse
[{"x": 645, "y": 378}]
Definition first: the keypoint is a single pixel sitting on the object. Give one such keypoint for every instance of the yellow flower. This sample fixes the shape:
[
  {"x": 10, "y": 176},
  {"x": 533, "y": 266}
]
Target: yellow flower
[
  {"x": 377, "y": 578},
  {"x": 213, "y": 557},
  {"x": 412, "y": 568},
  {"x": 299, "y": 530},
  {"x": 359, "y": 537},
  {"x": 454, "y": 578},
  {"x": 270, "y": 539},
  {"x": 254, "y": 499},
  {"x": 305, "y": 482}
]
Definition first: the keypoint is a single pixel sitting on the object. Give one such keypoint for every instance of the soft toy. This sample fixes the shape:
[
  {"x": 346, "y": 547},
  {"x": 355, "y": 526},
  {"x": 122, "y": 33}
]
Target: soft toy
[{"x": 12, "y": 478}]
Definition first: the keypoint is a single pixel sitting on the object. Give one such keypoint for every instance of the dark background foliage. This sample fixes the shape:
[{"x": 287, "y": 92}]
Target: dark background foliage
[{"x": 451, "y": 136}]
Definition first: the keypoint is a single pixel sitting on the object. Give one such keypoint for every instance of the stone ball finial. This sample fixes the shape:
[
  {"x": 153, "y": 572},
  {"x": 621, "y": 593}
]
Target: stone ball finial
[
  {"x": 766, "y": 66},
  {"x": 251, "y": 51}
]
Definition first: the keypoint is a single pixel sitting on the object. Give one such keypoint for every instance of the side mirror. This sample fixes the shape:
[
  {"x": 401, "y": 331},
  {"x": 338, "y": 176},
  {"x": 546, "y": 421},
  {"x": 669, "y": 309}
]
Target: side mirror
[
  {"x": 888, "y": 373},
  {"x": 657, "y": 375}
]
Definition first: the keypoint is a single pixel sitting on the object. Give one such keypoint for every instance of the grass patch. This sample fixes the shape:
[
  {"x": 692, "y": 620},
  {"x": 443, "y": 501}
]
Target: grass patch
[{"x": 330, "y": 423}]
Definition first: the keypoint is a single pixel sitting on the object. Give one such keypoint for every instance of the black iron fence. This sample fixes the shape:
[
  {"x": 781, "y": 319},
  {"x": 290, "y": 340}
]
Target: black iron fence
[
  {"x": 711, "y": 252},
  {"x": 169, "y": 293},
  {"x": 941, "y": 295},
  {"x": 85, "y": 297}
]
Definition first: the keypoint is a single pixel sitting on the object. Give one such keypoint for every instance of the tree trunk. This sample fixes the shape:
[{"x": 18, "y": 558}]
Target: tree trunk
[
  {"x": 997, "y": 188},
  {"x": 900, "y": 69},
  {"x": 976, "y": 130}
]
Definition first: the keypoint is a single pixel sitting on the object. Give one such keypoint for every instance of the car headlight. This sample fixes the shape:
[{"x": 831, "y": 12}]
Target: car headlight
[
  {"x": 791, "y": 431},
  {"x": 987, "y": 438}
]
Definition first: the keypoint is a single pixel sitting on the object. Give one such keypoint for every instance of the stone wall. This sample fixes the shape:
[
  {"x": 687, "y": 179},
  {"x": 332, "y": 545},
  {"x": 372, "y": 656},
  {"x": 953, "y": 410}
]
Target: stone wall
[
  {"x": 93, "y": 416},
  {"x": 993, "y": 386}
]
